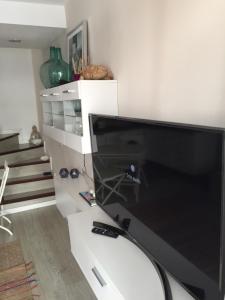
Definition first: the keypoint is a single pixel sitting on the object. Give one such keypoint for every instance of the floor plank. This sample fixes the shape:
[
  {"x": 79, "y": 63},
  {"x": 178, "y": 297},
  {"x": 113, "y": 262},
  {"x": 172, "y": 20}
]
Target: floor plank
[{"x": 45, "y": 240}]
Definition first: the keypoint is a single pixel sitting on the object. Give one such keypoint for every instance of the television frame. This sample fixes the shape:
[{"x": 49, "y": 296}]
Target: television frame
[{"x": 211, "y": 290}]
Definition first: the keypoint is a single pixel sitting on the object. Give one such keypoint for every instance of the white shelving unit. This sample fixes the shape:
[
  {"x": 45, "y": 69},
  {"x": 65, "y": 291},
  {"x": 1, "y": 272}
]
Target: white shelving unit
[
  {"x": 66, "y": 109},
  {"x": 116, "y": 269}
]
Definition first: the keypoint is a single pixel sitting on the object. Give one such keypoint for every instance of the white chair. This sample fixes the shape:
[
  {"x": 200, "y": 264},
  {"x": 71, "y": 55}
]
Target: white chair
[{"x": 2, "y": 188}]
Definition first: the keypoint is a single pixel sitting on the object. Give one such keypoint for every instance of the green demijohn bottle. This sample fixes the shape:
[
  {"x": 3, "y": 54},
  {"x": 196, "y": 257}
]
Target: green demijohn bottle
[
  {"x": 44, "y": 69},
  {"x": 55, "y": 71}
]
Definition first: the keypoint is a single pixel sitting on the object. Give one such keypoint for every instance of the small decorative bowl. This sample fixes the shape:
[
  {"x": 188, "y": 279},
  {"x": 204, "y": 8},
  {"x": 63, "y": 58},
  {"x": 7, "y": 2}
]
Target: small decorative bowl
[
  {"x": 44, "y": 158},
  {"x": 36, "y": 141}
]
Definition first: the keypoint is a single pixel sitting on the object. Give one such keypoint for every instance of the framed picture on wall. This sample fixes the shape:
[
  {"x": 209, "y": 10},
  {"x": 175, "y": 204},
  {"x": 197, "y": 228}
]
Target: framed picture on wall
[{"x": 77, "y": 47}]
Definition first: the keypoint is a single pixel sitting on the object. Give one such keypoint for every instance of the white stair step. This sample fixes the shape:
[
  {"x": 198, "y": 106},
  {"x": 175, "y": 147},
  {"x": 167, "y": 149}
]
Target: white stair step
[
  {"x": 29, "y": 204},
  {"x": 21, "y": 197},
  {"x": 28, "y": 184},
  {"x": 28, "y": 187},
  {"x": 27, "y": 167},
  {"x": 8, "y": 141},
  {"x": 27, "y": 170},
  {"x": 18, "y": 156}
]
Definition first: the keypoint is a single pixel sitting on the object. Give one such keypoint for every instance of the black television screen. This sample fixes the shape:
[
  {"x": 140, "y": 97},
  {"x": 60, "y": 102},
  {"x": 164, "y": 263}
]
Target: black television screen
[{"x": 163, "y": 183}]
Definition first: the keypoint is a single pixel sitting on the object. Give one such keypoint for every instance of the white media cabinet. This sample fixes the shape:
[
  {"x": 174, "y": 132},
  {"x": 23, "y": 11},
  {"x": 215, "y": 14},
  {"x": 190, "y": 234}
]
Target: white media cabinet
[{"x": 116, "y": 269}]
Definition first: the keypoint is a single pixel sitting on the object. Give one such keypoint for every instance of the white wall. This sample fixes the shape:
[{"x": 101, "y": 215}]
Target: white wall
[
  {"x": 123, "y": 35},
  {"x": 167, "y": 55},
  {"x": 18, "y": 108},
  {"x": 37, "y": 60},
  {"x": 191, "y": 80},
  {"x": 33, "y": 14}
]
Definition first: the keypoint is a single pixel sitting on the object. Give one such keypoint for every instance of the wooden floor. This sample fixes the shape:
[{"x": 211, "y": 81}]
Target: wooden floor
[{"x": 45, "y": 240}]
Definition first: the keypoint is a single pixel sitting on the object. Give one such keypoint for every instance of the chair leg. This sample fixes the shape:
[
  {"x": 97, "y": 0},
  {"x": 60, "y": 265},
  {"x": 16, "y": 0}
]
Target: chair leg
[
  {"x": 7, "y": 219},
  {"x": 6, "y": 229}
]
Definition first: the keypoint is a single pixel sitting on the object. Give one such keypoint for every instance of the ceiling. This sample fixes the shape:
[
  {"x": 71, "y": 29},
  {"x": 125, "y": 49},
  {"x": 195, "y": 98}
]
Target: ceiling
[
  {"x": 32, "y": 36},
  {"x": 53, "y": 2},
  {"x": 32, "y": 33}
]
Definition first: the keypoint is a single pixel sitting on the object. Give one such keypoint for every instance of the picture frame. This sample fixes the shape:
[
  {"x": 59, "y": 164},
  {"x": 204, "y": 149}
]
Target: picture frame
[{"x": 78, "y": 48}]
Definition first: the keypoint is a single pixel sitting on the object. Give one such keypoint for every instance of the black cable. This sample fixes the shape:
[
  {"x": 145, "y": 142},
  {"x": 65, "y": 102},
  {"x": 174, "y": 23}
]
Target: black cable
[
  {"x": 166, "y": 284},
  {"x": 84, "y": 170},
  {"x": 84, "y": 162},
  {"x": 159, "y": 269}
]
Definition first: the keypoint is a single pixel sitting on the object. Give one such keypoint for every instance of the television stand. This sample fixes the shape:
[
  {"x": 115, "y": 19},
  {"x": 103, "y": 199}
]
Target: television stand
[{"x": 116, "y": 269}]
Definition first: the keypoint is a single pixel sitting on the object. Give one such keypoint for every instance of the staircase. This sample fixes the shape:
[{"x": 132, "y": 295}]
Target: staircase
[{"x": 27, "y": 187}]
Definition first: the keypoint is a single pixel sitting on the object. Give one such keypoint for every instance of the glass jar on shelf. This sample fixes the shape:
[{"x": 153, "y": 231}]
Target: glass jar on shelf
[
  {"x": 78, "y": 127},
  {"x": 77, "y": 108}
]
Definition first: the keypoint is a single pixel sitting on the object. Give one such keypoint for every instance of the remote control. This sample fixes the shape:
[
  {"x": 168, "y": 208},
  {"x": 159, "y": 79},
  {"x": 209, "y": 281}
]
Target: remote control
[
  {"x": 105, "y": 232},
  {"x": 108, "y": 227},
  {"x": 47, "y": 173}
]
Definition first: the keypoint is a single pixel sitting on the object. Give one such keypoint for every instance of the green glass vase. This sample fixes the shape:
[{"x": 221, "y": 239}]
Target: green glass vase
[
  {"x": 59, "y": 71},
  {"x": 55, "y": 71},
  {"x": 44, "y": 69}
]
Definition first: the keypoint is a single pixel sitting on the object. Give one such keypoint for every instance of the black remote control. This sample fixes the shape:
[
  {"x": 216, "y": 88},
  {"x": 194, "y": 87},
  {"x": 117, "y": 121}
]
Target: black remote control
[
  {"x": 108, "y": 227},
  {"x": 105, "y": 232},
  {"x": 47, "y": 173}
]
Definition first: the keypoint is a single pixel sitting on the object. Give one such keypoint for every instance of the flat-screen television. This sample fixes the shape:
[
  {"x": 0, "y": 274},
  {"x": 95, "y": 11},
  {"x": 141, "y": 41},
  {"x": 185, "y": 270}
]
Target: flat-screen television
[{"x": 164, "y": 184}]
